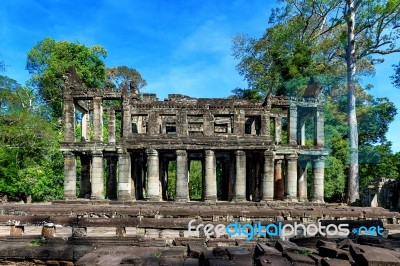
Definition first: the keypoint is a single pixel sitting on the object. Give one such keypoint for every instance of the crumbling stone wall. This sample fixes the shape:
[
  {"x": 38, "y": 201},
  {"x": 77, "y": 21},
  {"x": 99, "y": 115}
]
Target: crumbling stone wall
[{"x": 242, "y": 139}]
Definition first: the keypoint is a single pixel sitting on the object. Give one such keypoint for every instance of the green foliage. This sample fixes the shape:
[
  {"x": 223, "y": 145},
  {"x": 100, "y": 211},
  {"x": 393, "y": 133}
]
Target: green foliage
[
  {"x": 195, "y": 180},
  {"x": 171, "y": 190},
  {"x": 30, "y": 160},
  {"x": 117, "y": 76},
  {"x": 335, "y": 178},
  {"x": 396, "y": 77},
  {"x": 48, "y": 61}
]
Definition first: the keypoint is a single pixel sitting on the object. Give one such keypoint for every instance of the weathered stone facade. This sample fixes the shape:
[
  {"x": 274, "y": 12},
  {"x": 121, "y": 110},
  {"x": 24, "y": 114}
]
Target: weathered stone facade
[{"x": 258, "y": 147}]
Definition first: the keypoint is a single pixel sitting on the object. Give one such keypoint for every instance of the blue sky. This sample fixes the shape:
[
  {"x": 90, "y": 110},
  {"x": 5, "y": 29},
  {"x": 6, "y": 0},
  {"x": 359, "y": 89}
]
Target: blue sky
[{"x": 177, "y": 46}]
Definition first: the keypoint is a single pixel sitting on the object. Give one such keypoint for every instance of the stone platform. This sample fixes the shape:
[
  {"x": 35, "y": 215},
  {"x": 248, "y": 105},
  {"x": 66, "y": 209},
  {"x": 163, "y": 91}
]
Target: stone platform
[{"x": 111, "y": 233}]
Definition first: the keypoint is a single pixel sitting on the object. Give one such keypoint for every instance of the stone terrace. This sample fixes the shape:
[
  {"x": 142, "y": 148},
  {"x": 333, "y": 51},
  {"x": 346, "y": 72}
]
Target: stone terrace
[{"x": 79, "y": 231}]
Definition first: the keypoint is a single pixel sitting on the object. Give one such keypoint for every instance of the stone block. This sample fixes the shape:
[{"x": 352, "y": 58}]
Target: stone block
[
  {"x": 335, "y": 262},
  {"x": 48, "y": 231},
  {"x": 284, "y": 246},
  {"x": 373, "y": 256},
  {"x": 16, "y": 230},
  {"x": 262, "y": 249},
  {"x": 335, "y": 253},
  {"x": 299, "y": 258},
  {"x": 195, "y": 249},
  {"x": 272, "y": 260}
]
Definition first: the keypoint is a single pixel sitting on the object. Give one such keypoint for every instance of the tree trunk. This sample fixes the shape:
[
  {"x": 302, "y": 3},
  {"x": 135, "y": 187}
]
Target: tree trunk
[{"x": 353, "y": 178}]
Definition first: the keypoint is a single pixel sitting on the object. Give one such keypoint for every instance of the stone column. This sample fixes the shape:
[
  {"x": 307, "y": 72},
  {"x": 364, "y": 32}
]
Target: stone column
[
  {"x": 208, "y": 124},
  {"x": 291, "y": 193},
  {"x": 182, "y": 123},
  {"x": 69, "y": 120},
  {"x": 292, "y": 129},
  {"x": 210, "y": 189},
  {"x": 126, "y": 119},
  {"x": 265, "y": 125},
  {"x": 182, "y": 188},
  {"x": 302, "y": 180},
  {"x": 69, "y": 176},
  {"x": 97, "y": 119},
  {"x": 268, "y": 177},
  {"x": 85, "y": 190},
  {"x": 124, "y": 177},
  {"x": 97, "y": 176},
  {"x": 153, "y": 175},
  {"x": 319, "y": 126},
  {"x": 318, "y": 178},
  {"x": 238, "y": 127},
  {"x": 111, "y": 126},
  {"x": 240, "y": 182},
  {"x": 85, "y": 127},
  {"x": 279, "y": 181},
  {"x": 278, "y": 129}
]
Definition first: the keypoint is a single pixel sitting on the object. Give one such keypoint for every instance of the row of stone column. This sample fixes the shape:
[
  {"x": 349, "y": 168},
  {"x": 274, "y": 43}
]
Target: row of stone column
[{"x": 276, "y": 183}]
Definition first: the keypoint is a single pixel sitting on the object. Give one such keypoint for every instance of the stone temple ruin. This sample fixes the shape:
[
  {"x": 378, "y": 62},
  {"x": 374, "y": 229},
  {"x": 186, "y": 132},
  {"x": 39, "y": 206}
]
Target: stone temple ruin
[{"x": 125, "y": 141}]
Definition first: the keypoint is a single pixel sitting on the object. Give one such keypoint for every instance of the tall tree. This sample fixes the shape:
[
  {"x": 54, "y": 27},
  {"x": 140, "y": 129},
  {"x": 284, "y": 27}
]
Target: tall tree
[
  {"x": 48, "y": 61},
  {"x": 373, "y": 27},
  {"x": 366, "y": 29}
]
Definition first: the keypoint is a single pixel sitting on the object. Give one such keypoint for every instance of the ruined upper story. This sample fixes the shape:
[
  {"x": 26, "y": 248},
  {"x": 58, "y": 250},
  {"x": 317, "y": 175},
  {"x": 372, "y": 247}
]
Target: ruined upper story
[{"x": 125, "y": 117}]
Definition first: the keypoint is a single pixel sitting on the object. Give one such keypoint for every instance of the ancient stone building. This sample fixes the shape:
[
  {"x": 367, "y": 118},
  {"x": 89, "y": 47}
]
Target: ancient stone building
[{"x": 124, "y": 142}]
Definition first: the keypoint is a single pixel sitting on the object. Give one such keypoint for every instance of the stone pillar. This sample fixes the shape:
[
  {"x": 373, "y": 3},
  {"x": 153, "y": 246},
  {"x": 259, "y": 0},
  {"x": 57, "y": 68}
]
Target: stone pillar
[
  {"x": 238, "y": 127},
  {"x": 265, "y": 125},
  {"x": 208, "y": 124},
  {"x": 279, "y": 181},
  {"x": 318, "y": 178},
  {"x": 182, "y": 123},
  {"x": 291, "y": 193},
  {"x": 97, "y": 119},
  {"x": 302, "y": 180},
  {"x": 85, "y": 127},
  {"x": 85, "y": 190},
  {"x": 126, "y": 119},
  {"x": 111, "y": 126},
  {"x": 182, "y": 189},
  {"x": 278, "y": 129},
  {"x": 319, "y": 126},
  {"x": 240, "y": 182},
  {"x": 268, "y": 177},
  {"x": 124, "y": 177},
  {"x": 69, "y": 176},
  {"x": 69, "y": 120},
  {"x": 292, "y": 128},
  {"x": 97, "y": 176},
  {"x": 153, "y": 175},
  {"x": 210, "y": 188}
]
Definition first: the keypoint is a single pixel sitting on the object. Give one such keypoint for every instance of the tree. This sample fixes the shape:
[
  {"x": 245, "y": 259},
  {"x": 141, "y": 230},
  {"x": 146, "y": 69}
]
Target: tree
[
  {"x": 396, "y": 77},
  {"x": 365, "y": 29},
  {"x": 30, "y": 160},
  {"x": 117, "y": 76},
  {"x": 374, "y": 27},
  {"x": 48, "y": 61}
]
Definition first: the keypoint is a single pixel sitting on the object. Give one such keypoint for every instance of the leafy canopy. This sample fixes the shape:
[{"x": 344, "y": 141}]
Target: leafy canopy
[{"x": 48, "y": 61}]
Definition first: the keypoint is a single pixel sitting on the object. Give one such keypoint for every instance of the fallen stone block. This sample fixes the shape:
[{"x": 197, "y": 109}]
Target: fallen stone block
[
  {"x": 335, "y": 253},
  {"x": 195, "y": 249},
  {"x": 373, "y": 256},
  {"x": 299, "y": 258},
  {"x": 262, "y": 249},
  {"x": 334, "y": 262},
  {"x": 272, "y": 260},
  {"x": 284, "y": 246}
]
